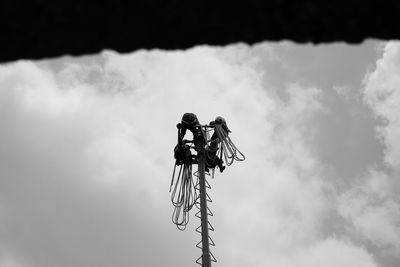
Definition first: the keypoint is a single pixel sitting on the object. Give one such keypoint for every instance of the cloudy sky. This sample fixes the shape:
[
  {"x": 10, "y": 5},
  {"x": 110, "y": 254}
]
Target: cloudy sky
[{"x": 86, "y": 156}]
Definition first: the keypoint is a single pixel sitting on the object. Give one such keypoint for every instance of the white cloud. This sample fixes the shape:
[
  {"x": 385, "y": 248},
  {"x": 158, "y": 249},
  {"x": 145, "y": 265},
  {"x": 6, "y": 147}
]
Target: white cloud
[
  {"x": 8, "y": 262},
  {"x": 383, "y": 95},
  {"x": 332, "y": 252},
  {"x": 327, "y": 252},
  {"x": 373, "y": 210},
  {"x": 372, "y": 205},
  {"x": 86, "y": 163}
]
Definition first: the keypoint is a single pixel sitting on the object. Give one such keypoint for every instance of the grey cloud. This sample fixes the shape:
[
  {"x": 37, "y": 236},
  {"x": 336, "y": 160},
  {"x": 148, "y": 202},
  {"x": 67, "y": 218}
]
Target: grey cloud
[
  {"x": 86, "y": 164},
  {"x": 372, "y": 205}
]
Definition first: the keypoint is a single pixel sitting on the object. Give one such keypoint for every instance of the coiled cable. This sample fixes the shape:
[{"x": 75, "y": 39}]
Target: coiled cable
[
  {"x": 184, "y": 195},
  {"x": 227, "y": 148}
]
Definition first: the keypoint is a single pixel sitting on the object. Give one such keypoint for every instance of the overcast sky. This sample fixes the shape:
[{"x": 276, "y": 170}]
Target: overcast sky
[{"x": 86, "y": 156}]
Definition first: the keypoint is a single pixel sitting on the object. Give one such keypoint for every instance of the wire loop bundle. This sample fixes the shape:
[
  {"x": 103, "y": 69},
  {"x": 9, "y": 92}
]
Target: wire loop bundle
[
  {"x": 227, "y": 147},
  {"x": 184, "y": 189},
  {"x": 184, "y": 195}
]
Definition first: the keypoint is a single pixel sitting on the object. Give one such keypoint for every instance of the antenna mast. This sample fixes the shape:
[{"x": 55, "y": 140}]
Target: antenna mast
[
  {"x": 206, "y": 254},
  {"x": 186, "y": 192}
]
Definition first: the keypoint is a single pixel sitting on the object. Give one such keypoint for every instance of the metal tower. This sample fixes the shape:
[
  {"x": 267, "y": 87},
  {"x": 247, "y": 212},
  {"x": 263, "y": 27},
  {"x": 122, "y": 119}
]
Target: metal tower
[
  {"x": 206, "y": 256},
  {"x": 187, "y": 192}
]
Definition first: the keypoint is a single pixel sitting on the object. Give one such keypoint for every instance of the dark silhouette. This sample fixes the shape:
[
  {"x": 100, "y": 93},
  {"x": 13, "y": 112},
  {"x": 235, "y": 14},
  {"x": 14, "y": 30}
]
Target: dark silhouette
[
  {"x": 40, "y": 29},
  {"x": 190, "y": 122}
]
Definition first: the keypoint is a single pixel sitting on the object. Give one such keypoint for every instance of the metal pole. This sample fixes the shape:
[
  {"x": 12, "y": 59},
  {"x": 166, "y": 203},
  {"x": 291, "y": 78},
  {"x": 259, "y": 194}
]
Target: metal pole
[{"x": 206, "y": 258}]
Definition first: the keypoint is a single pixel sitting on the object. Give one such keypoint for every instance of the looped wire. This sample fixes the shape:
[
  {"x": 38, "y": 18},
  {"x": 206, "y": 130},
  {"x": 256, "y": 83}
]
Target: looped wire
[{"x": 227, "y": 148}]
